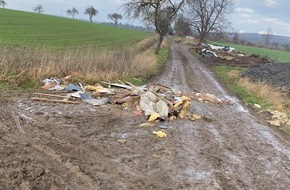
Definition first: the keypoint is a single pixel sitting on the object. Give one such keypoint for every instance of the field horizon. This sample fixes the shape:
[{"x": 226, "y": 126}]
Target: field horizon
[{"x": 26, "y": 29}]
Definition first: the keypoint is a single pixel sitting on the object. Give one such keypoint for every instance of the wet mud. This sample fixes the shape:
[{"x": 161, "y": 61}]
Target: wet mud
[{"x": 57, "y": 146}]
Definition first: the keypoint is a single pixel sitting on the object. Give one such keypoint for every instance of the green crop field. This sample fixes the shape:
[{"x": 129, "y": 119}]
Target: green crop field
[
  {"x": 18, "y": 28},
  {"x": 276, "y": 55}
]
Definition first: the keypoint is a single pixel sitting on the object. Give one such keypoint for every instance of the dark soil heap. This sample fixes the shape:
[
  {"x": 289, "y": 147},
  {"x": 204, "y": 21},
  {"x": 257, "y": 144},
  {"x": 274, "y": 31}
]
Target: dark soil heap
[{"x": 278, "y": 75}]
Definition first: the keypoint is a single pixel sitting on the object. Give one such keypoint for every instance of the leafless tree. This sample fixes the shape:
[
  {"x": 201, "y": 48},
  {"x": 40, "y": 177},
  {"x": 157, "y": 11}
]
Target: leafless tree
[
  {"x": 2, "y": 3},
  {"x": 73, "y": 12},
  {"x": 115, "y": 17},
  {"x": 236, "y": 38},
  {"x": 158, "y": 12},
  {"x": 181, "y": 27},
  {"x": 91, "y": 11},
  {"x": 38, "y": 9},
  {"x": 209, "y": 15},
  {"x": 267, "y": 36}
]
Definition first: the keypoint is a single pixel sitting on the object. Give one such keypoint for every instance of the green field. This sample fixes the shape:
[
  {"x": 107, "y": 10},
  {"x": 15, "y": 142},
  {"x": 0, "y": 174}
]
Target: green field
[
  {"x": 24, "y": 29},
  {"x": 276, "y": 55}
]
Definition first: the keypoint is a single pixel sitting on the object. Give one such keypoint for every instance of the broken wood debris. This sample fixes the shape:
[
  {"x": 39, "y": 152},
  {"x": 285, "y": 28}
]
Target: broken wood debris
[
  {"x": 54, "y": 100},
  {"x": 156, "y": 101}
]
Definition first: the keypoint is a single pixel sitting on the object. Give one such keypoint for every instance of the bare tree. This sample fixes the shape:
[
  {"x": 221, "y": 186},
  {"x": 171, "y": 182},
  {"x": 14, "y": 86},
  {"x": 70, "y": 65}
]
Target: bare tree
[
  {"x": 115, "y": 17},
  {"x": 91, "y": 11},
  {"x": 2, "y": 3},
  {"x": 158, "y": 12},
  {"x": 267, "y": 36},
  {"x": 38, "y": 9},
  {"x": 209, "y": 15},
  {"x": 236, "y": 38},
  {"x": 181, "y": 27},
  {"x": 73, "y": 12}
]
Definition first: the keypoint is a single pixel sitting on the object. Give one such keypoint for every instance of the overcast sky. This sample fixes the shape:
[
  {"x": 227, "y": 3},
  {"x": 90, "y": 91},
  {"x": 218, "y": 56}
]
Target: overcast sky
[{"x": 253, "y": 16}]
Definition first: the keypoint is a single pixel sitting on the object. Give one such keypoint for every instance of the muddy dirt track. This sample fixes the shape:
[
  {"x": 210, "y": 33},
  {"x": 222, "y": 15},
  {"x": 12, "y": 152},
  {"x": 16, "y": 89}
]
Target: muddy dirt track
[{"x": 56, "y": 146}]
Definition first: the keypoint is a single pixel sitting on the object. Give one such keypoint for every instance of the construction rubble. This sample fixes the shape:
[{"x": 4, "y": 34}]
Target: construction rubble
[
  {"x": 157, "y": 102},
  {"x": 225, "y": 53},
  {"x": 278, "y": 118}
]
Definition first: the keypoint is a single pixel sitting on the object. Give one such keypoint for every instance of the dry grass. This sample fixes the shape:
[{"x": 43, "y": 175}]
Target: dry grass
[
  {"x": 277, "y": 99},
  {"x": 91, "y": 65}
]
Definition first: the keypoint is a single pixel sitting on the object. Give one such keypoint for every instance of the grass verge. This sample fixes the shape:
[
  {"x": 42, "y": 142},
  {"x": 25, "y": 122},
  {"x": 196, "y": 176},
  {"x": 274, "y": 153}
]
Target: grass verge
[
  {"x": 254, "y": 92},
  {"x": 24, "y": 68},
  {"x": 230, "y": 76}
]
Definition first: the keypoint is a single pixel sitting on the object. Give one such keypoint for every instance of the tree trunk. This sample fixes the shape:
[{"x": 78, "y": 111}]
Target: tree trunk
[
  {"x": 159, "y": 43},
  {"x": 203, "y": 36},
  {"x": 116, "y": 23},
  {"x": 91, "y": 19}
]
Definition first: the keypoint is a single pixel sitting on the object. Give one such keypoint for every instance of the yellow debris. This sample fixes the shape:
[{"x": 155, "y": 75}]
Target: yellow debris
[
  {"x": 153, "y": 116},
  {"x": 160, "y": 134},
  {"x": 184, "y": 109},
  {"x": 177, "y": 104},
  {"x": 93, "y": 88},
  {"x": 146, "y": 125},
  {"x": 196, "y": 116},
  {"x": 122, "y": 141},
  {"x": 172, "y": 118},
  {"x": 185, "y": 98}
]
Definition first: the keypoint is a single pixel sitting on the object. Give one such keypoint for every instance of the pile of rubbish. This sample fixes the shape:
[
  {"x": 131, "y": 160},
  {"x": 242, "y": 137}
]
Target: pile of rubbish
[
  {"x": 211, "y": 51},
  {"x": 157, "y": 102},
  {"x": 278, "y": 118}
]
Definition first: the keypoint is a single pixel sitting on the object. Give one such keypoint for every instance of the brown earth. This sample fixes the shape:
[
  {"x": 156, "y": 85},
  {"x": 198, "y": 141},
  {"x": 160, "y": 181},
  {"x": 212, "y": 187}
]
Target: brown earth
[{"x": 56, "y": 146}]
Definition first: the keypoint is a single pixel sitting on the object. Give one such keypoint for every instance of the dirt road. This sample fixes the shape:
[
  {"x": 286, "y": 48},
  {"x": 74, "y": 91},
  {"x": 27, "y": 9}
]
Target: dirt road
[{"x": 55, "y": 146}]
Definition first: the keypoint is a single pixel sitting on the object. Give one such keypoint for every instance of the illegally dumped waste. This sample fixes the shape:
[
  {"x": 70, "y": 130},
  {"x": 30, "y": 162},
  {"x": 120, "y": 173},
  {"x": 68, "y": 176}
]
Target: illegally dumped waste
[
  {"x": 73, "y": 88},
  {"x": 56, "y": 98},
  {"x": 52, "y": 84},
  {"x": 96, "y": 102},
  {"x": 99, "y": 89},
  {"x": 278, "y": 118},
  {"x": 211, "y": 51},
  {"x": 159, "y": 134},
  {"x": 225, "y": 53},
  {"x": 206, "y": 97},
  {"x": 157, "y": 102}
]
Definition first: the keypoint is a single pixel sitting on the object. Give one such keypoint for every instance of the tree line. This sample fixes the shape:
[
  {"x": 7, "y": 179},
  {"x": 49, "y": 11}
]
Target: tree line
[{"x": 90, "y": 11}]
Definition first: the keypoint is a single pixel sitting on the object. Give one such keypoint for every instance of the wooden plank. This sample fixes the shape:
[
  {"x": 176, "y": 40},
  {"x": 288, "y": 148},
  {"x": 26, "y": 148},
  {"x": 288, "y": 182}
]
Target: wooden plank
[
  {"x": 51, "y": 95},
  {"x": 53, "y": 100}
]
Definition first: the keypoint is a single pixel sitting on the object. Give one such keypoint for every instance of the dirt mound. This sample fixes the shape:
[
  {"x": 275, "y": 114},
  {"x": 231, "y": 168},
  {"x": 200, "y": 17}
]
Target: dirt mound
[{"x": 277, "y": 75}]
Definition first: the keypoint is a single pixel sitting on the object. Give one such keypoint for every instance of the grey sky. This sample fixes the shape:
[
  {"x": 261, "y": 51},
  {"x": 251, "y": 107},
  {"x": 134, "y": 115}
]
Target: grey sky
[
  {"x": 248, "y": 15},
  {"x": 257, "y": 16}
]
